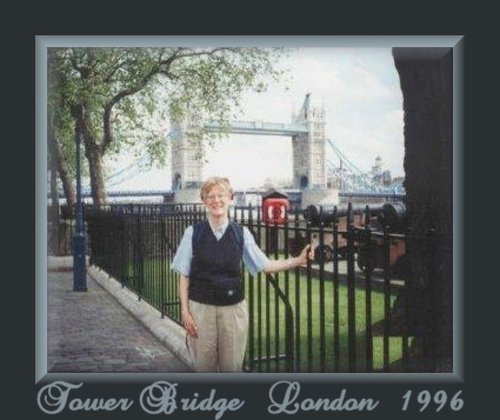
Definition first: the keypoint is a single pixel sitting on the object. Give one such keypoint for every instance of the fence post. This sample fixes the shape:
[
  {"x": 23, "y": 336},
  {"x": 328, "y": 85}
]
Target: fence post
[
  {"x": 367, "y": 245},
  {"x": 351, "y": 292},
  {"x": 336, "y": 293},
  {"x": 387, "y": 297},
  {"x": 140, "y": 258},
  {"x": 309, "y": 299}
]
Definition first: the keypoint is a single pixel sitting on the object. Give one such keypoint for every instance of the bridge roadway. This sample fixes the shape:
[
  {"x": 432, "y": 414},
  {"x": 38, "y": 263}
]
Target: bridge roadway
[
  {"x": 364, "y": 197},
  {"x": 262, "y": 128}
]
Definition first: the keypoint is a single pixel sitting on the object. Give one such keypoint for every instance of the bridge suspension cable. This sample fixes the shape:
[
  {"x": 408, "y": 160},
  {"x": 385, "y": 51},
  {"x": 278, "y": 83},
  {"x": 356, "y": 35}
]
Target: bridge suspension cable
[{"x": 352, "y": 177}]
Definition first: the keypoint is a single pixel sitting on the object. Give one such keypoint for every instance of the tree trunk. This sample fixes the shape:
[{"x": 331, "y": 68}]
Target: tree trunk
[
  {"x": 62, "y": 167},
  {"x": 92, "y": 152},
  {"x": 426, "y": 82}
]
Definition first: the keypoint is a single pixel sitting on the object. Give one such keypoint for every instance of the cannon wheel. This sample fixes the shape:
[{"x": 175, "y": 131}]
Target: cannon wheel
[
  {"x": 362, "y": 261},
  {"x": 323, "y": 253}
]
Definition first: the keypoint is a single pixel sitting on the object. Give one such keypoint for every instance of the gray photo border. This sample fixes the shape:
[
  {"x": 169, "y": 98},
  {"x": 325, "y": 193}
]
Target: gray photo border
[{"x": 43, "y": 42}]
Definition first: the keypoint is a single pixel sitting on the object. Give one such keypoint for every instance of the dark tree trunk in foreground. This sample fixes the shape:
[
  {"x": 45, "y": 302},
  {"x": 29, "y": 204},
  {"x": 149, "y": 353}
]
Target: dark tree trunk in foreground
[{"x": 427, "y": 86}]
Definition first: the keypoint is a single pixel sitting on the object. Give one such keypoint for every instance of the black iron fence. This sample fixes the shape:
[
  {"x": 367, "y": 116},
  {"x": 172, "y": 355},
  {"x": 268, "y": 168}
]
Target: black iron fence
[
  {"x": 60, "y": 230},
  {"x": 347, "y": 311}
]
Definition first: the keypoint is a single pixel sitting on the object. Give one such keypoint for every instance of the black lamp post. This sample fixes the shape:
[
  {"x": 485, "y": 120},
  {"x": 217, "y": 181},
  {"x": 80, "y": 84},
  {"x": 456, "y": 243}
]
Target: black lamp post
[{"x": 79, "y": 269}]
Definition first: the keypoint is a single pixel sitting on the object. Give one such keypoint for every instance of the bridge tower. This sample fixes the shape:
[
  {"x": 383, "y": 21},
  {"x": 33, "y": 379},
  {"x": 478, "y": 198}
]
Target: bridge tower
[
  {"x": 187, "y": 164},
  {"x": 309, "y": 156}
]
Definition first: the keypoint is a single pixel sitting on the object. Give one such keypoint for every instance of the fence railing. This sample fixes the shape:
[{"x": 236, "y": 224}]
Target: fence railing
[
  {"x": 61, "y": 230},
  {"x": 345, "y": 312}
]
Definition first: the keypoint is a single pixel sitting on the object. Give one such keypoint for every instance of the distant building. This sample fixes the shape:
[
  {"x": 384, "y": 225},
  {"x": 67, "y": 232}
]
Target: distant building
[
  {"x": 379, "y": 176},
  {"x": 377, "y": 168}
]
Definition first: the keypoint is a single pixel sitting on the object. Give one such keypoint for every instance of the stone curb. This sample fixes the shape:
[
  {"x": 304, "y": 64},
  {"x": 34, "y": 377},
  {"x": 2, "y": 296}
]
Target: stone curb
[{"x": 167, "y": 331}]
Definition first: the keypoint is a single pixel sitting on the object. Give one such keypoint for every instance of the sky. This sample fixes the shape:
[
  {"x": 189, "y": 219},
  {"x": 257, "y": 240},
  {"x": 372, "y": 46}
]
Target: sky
[{"x": 359, "y": 89}]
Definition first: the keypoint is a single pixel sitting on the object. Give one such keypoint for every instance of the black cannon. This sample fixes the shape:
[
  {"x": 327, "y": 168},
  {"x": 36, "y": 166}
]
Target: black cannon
[
  {"x": 388, "y": 217},
  {"x": 328, "y": 214},
  {"x": 393, "y": 216},
  {"x": 382, "y": 253}
]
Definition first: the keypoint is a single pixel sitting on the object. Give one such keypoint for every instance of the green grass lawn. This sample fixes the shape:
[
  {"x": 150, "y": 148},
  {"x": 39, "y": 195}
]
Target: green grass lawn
[
  {"x": 312, "y": 302},
  {"x": 314, "y": 324}
]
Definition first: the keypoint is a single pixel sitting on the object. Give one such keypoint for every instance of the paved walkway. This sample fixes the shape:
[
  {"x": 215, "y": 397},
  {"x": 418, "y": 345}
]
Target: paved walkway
[{"x": 92, "y": 332}]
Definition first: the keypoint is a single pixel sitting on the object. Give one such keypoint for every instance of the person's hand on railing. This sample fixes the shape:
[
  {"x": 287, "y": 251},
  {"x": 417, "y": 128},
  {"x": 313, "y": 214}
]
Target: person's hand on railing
[
  {"x": 274, "y": 266},
  {"x": 188, "y": 323},
  {"x": 306, "y": 253}
]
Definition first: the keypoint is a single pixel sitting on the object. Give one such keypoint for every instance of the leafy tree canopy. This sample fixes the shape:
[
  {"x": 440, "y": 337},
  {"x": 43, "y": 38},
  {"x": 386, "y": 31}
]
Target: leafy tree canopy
[{"x": 127, "y": 94}]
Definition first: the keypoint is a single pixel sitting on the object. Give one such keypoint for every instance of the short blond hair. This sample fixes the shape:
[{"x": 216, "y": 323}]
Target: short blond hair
[{"x": 215, "y": 181}]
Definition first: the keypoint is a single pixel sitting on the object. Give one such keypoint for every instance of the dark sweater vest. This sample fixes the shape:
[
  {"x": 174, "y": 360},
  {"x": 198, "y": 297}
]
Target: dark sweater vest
[{"x": 216, "y": 277}]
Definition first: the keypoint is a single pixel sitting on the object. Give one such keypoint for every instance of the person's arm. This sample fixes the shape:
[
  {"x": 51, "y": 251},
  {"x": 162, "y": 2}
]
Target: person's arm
[
  {"x": 274, "y": 266},
  {"x": 255, "y": 260},
  {"x": 182, "y": 265},
  {"x": 186, "y": 318}
]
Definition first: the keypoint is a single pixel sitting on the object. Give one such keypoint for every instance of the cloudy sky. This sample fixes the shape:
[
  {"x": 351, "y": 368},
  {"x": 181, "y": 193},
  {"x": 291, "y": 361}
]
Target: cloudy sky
[{"x": 359, "y": 88}]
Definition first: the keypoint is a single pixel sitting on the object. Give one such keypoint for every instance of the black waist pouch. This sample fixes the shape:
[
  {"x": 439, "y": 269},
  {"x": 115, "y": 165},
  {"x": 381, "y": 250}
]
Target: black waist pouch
[{"x": 219, "y": 294}]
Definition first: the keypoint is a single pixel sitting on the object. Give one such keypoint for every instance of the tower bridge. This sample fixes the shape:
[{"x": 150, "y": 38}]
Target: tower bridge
[{"x": 308, "y": 133}]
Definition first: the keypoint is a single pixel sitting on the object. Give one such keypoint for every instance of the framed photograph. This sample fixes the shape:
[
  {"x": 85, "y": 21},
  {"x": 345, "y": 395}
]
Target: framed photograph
[{"x": 348, "y": 146}]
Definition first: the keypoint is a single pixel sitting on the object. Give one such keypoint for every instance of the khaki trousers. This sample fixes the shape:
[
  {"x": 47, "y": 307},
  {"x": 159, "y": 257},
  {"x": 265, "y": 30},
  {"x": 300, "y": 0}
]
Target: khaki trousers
[{"x": 222, "y": 336}]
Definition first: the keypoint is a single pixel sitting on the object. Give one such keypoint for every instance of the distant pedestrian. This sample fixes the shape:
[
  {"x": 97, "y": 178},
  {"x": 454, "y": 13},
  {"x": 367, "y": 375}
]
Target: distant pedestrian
[{"x": 213, "y": 306}]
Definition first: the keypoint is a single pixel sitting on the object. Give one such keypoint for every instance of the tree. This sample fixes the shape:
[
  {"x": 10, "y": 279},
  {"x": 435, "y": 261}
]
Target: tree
[
  {"x": 426, "y": 83},
  {"x": 109, "y": 92}
]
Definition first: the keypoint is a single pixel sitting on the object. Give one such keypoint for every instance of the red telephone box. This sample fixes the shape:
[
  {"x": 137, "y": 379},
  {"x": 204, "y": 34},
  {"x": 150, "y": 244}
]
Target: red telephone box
[{"x": 275, "y": 206}]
